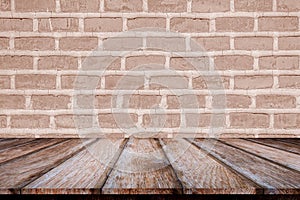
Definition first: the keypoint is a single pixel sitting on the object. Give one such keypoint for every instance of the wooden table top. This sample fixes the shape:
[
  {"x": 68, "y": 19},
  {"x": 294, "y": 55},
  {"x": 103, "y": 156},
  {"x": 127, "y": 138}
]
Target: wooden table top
[{"x": 149, "y": 166}]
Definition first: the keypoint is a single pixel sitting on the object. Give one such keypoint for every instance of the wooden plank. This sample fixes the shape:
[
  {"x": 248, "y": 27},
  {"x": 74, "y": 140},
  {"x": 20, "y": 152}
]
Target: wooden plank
[
  {"x": 284, "y": 158},
  {"x": 23, "y": 170},
  {"x": 142, "y": 169},
  {"x": 10, "y": 143},
  {"x": 274, "y": 178},
  {"x": 26, "y": 148},
  {"x": 278, "y": 144},
  {"x": 295, "y": 141},
  {"x": 84, "y": 173},
  {"x": 201, "y": 174}
]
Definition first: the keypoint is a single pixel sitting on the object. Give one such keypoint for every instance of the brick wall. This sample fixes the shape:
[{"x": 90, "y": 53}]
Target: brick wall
[{"x": 248, "y": 84}]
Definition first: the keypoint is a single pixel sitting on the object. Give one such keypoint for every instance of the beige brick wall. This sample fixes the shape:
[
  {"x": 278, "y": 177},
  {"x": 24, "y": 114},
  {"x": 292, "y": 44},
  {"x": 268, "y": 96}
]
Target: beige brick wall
[{"x": 246, "y": 83}]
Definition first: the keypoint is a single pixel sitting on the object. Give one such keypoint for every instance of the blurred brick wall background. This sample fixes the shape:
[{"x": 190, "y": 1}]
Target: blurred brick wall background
[{"x": 253, "y": 44}]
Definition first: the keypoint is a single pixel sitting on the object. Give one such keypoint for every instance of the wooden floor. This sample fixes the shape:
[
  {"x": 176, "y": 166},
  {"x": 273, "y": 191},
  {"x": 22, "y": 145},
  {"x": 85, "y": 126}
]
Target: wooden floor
[{"x": 149, "y": 166}]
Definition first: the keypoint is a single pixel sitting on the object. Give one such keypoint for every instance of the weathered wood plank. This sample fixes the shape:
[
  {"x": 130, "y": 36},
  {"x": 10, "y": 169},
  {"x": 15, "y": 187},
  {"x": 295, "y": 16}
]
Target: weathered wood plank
[
  {"x": 23, "y": 170},
  {"x": 11, "y": 143},
  {"x": 26, "y": 148},
  {"x": 295, "y": 141},
  {"x": 274, "y": 178},
  {"x": 81, "y": 174},
  {"x": 278, "y": 144},
  {"x": 142, "y": 169},
  {"x": 201, "y": 174},
  {"x": 284, "y": 158}
]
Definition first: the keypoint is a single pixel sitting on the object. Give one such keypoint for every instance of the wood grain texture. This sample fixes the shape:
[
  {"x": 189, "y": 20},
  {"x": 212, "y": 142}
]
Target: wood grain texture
[
  {"x": 201, "y": 174},
  {"x": 19, "y": 172},
  {"x": 84, "y": 173},
  {"x": 273, "y": 178},
  {"x": 26, "y": 148},
  {"x": 282, "y": 145},
  {"x": 142, "y": 166},
  {"x": 284, "y": 158},
  {"x": 291, "y": 141},
  {"x": 142, "y": 169},
  {"x": 13, "y": 143}
]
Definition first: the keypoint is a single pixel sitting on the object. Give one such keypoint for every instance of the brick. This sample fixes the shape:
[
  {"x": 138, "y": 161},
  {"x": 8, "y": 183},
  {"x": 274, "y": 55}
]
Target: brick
[
  {"x": 4, "y": 82},
  {"x": 4, "y": 43},
  {"x": 124, "y": 82},
  {"x": 210, "y": 43},
  {"x": 83, "y": 102},
  {"x": 206, "y": 6},
  {"x": 141, "y": 101},
  {"x": 35, "y": 43},
  {"x": 278, "y": 24},
  {"x": 103, "y": 24},
  {"x": 58, "y": 63},
  {"x": 253, "y": 43},
  {"x": 122, "y": 43},
  {"x": 234, "y": 24},
  {"x": 289, "y": 43},
  {"x": 205, "y": 120},
  {"x": 289, "y": 81},
  {"x": 253, "y": 82},
  {"x": 80, "y": 5},
  {"x": 185, "y": 101},
  {"x": 101, "y": 63},
  {"x": 95, "y": 102},
  {"x": 236, "y": 62},
  {"x": 58, "y": 24},
  {"x": 189, "y": 25},
  {"x": 35, "y": 5},
  {"x": 166, "y": 44},
  {"x": 123, "y": 5},
  {"x": 80, "y": 82},
  {"x": 161, "y": 120},
  {"x": 30, "y": 121},
  {"x": 117, "y": 120},
  {"x": 5, "y": 5},
  {"x": 68, "y": 81},
  {"x": 146, "y": 22},
  {"x": 64, "y": 121},
  {"x": 50, "y": 102},
  {"x": 74, "y": 121},
  {"x": 3, "y": 121},
  {"x": 151, "y": 62},
  {"x": 231, "y": 101},
  {"x": 210, "y": 82},
  {"x": 168, "y": 82},
  {"x": 16, "y": 62},
  {"x": 21, "y": 24},
  {"x": 253, "y": 5},
  {"x": 275, "y": 101},
  {"x": 288, "y": 5},
  {"x": 78, "y": 43},
  {"x": 105, "y": 101},
  {"x": 12, "y": 101},
  {"x": 287, "y": 121},
  {"x": 249, "y": 120},
  {"x": 189, "y": 63},
  {"x": 279, "y": 62},
  {"x": 35, "y": 81},
  {"x": 167, "y": 6}
]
